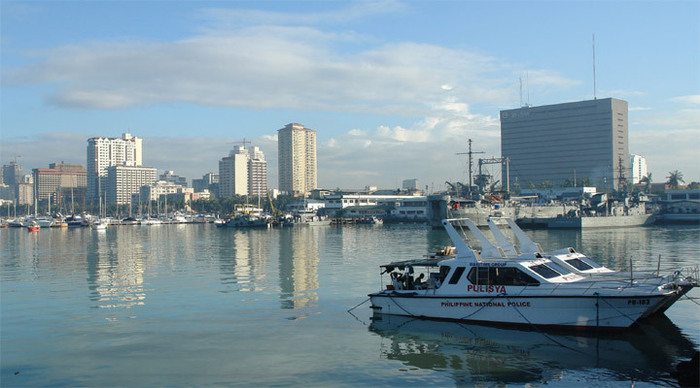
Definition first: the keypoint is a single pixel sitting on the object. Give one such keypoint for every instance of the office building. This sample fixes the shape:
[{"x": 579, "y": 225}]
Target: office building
[
  {"x": 582, "y": 142},
  {"x": 123, "y": 181},
  {"x": 638, "y": 168},
  {"x": 52, "y": 183},
  {"x": 297, "y": 166},
  {"x": 257, "y": 173},
  {"x": 104, "y": 152}
]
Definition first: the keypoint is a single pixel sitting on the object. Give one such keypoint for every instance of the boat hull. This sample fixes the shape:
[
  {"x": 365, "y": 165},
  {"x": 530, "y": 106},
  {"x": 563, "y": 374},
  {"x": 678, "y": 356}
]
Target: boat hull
[{"x": 559, "y": 311}]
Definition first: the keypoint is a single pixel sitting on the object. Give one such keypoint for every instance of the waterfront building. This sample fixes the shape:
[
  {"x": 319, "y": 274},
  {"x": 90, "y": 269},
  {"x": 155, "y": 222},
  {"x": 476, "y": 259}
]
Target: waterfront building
[
  {"x": 54, "y": 182},
  {"x": 123, "y": 181},
  {"x": 257, "y": 173},
  {"x": 569, "y": 142},
  {"x": 638, "y": 168},
  {"x": 209, "y": 181},
  {"x": 399, "y": 207},
  {"x": 155, "y": 190},
  {"x": 233, "y": 173},
  {"x": 104, "y": 152},
  {"x": 296, "y": 146},
  {"x": 170, "y": 176}
]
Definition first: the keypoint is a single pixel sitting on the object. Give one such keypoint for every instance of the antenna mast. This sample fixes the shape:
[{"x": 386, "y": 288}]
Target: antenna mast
[
  {"x": 521, "y": 91},
  {"x": 594, "y": 85},
  {"x": 470, "y": 153}
]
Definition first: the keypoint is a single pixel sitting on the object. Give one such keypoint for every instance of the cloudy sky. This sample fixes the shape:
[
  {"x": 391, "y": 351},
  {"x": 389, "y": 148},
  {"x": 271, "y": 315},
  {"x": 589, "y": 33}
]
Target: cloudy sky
[{"x": 394, "y": 89}]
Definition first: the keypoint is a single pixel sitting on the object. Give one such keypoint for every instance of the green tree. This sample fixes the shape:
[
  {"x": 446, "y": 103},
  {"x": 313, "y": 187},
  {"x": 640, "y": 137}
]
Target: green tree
[
  {"x": 675, "y": 178},
  {"x": 646, "y": 182}
]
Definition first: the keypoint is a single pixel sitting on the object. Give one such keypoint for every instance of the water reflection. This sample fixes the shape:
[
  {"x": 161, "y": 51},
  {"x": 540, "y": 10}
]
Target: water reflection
[
  {"x": 115, "y": 269},
  {"x": 242, "y": 259},
  {"x": 473, "y": 353},
  {"x": 298, "y": 265}
]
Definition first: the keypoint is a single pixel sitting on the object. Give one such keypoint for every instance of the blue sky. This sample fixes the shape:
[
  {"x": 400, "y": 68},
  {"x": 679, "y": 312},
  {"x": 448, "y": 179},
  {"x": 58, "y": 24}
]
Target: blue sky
[{"x": 393, "y": 88}]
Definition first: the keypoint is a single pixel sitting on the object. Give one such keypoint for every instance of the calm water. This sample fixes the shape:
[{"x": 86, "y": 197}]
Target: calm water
[{"x": 196, "y": 305}]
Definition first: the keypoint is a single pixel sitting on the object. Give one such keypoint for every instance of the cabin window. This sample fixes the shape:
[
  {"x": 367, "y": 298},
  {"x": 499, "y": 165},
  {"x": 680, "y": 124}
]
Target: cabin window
[
  {"x": 579, "y": 264},
  {"x": 444, "y": 270},
  {"x": 501, "y": 276},
  {"x": 545, "y": 271},
  {"x": 456, "y": 275}
]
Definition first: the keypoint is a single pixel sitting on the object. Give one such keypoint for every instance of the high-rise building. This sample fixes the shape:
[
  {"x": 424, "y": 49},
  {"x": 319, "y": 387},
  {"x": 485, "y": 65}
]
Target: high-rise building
[
  {"x": 638, "y": 168},
  {"x": 103, "y": 152},
  {"x": 123, "y": 181},
  {"x": 296, "y": 147},
  {"x": 12, "y": 176},
  {"x": 12, "y": 173},
  {"x": 170, "y": 176},
  {"x": 576, "y": 141},
  {"x": 25, "y": 190},
  {"x": 233, "y": 173},
  {"x": 257, "y": 173},
  {"x": 49, "y": 183}
]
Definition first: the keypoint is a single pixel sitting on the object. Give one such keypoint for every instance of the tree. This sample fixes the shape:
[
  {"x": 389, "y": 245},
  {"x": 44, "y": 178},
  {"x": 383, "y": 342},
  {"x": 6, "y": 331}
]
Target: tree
[
  {"x": 646, "y": 182},
  {"x": 675, "y": 178}
]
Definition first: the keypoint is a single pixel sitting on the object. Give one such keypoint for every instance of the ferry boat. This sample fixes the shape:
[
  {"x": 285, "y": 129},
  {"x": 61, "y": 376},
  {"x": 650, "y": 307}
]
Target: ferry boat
[{"x": 502, "y": 286}]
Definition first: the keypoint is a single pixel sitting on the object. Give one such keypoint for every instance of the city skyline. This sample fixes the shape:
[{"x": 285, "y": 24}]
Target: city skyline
[{"x": 401, "y": 84}]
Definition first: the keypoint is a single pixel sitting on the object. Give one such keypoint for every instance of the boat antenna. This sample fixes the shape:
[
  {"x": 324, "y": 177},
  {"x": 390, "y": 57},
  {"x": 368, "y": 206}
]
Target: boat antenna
[{"x": 594, "y": 84}]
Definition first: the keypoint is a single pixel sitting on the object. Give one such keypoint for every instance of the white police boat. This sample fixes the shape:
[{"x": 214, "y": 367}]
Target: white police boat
[{"x": 502, "y": 285}]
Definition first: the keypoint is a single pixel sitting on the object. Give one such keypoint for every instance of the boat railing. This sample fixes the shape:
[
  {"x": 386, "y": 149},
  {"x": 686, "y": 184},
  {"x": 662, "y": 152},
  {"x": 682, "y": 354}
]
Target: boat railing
[{"x": 591, "y": 287}]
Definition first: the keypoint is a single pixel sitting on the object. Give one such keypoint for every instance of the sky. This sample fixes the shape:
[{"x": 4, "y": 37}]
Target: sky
[{"x": 393, "y": 88}]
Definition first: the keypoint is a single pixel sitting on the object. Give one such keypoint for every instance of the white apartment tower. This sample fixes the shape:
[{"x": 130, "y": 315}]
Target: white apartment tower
[
  {"x": 103, "y": 152},
  {"x": 233, "y": 173},
  {"x": 257, "y": 173},
  {"x": 638, "y": 166},
  {"x": 296, "y": 147}
]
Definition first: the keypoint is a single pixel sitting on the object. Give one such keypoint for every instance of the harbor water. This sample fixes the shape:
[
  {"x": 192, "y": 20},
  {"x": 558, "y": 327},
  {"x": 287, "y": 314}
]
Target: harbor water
[{"x": 193, "y": 305}]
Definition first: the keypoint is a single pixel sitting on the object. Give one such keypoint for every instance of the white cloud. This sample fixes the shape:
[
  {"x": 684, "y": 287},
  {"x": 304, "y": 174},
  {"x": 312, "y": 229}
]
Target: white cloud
[
  {"x": 232, "y": 18},
  {"x": 693, "y": 99},
  {"x": 269, "y": 67}
]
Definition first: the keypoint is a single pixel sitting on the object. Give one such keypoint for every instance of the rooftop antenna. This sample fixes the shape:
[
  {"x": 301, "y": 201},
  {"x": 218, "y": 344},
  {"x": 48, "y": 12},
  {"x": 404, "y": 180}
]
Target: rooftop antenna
[
  {"x": 594, "y": 86},
  {"x": 521, "y": 92}
]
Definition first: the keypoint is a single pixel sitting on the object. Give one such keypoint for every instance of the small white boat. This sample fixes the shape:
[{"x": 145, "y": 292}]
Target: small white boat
[
  {"x": 99, "y": 225},
  {"x": 151, "y": 221},
  {"x": 503, "y": 287}
]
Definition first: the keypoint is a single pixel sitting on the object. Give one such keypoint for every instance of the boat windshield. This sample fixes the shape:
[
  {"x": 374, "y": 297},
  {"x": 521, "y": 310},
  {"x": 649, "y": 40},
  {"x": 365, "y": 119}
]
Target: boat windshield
[
  {"x": 545, "y": 271},
  {"x": 579, "y": 264},
  {"x": 506, "y": 276}
]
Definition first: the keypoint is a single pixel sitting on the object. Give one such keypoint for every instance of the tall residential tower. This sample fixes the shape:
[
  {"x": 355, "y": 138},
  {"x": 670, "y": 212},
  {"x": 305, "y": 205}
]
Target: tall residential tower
[
  {"x": 296, "y": 147},
  {"x": 243, "y": 172},
  {"x": 103, "y": 152}
]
